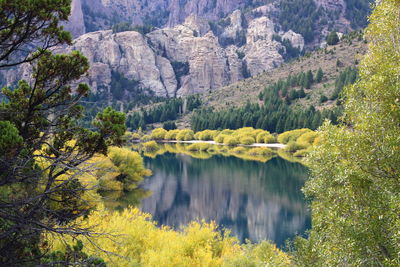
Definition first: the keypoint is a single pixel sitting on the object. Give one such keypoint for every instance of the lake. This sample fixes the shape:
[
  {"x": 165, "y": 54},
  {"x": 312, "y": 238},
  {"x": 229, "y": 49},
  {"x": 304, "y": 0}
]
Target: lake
[{"x": 255, "y": 200}]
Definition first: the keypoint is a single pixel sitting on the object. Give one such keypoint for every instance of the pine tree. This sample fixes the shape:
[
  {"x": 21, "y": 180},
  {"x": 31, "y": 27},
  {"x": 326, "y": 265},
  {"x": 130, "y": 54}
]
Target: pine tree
[{"x": 319, "y": 76}]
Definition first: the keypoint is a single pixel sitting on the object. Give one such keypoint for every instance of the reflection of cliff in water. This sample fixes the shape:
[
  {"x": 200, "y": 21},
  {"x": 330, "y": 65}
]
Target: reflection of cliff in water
[{"x": 256, "y": 200}]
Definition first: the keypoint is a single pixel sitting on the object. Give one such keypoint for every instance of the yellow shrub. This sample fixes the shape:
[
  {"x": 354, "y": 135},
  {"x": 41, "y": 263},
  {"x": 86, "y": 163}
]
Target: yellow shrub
[
  {"x": 145, "y": 138},
  {"x": 227, "y": 132},
  {"x": 307, "y": 138},
  {"x": 185, "y": 135},
  {"x": 136, "y": 241},
  {"x": 207, "y": 135},
  {"x": 268, "y": 139},
  {"x": 171, "y": 135},
  {"x": 220, "y": 138},
  {"x": 135, "y": 136},
  {"x": 231, "y": 141},
  {"x": 158, "y": 134},
  {"x": 288, "y": 136},
  {"x": 120, "y": 162},
  {"x": 197, "y": 135},
  {"x": 247, "y": 140},
  {"x": 293, "y": 146}
]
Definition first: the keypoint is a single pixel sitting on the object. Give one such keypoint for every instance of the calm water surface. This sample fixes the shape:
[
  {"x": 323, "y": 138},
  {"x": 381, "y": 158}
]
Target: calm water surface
[{"x": 255, "y": 200}]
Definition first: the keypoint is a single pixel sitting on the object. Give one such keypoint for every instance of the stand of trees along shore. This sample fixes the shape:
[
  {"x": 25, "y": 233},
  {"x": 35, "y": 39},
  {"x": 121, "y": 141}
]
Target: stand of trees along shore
[{"x": 52, "y": 169}]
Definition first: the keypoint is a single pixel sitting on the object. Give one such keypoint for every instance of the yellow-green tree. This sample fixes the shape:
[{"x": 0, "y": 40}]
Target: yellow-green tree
[{"x": 355, "y": 185}]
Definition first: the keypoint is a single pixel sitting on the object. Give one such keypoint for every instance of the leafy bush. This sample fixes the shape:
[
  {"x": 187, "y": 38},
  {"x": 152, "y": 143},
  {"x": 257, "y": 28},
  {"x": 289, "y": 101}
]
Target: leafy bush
[
  {"x": 135, "y": 136},
  {"x": 220, "y": 138},
  {"x": 288, "y": 136},
  {"x": 231, "y": 141},
  {"x": 171, "y": 135},
  {"x": 121, "y": 169},
  {"x": 185, "y": 135},
  {"x": 247, "y": 140},
  {"x": 294, "y": 146},
  {"x": 307, "y": 138},
  {"x": 145, "y": 138},
  {"x": 265, "y": 137},
  {"x": 137, "y": 241},
  {"x": 158, "y": 134},
  {"x": 207, "y": 135},
  {"x": 227, "y": 132}
]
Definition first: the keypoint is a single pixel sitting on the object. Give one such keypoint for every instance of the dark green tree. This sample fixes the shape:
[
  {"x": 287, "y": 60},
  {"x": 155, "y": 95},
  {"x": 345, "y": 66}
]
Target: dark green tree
[
  {"x": 332, "y": 38},
  {"x": 319, "y": 76},
  {"x": 44, "y": 148}
]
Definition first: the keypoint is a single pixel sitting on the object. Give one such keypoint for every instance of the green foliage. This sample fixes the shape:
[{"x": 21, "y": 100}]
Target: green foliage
[
  {"x": 73, "y": 254},
  {"x": 181, "y": 69},
  {"x": 9, "y": 138},
  {"x": 319, "y": 76},
  {"x": 171, "y": 109},
  {"x": 357, "y": 12},
  {"x": 355, "y": 176},
  {"x": 169, "y": 125},
  {"x": 332, "y": 38},
  {"x": 122, "y": 87},
  {"x": 346, "y": 77},
  {"x": 111, "y": 124},
  {"x": 300, "y": 16},
  {"x": 288, "y": 52},
  {"x": 276, "y": 115},
  {"x": 126, "y": 26},
  {"x": 40, "y": 169},
  {"x": 29, "y": 28}
]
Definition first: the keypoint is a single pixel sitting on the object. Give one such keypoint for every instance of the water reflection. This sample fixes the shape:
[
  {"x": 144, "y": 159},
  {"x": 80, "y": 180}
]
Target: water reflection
[{"x": 256, "y": 200}]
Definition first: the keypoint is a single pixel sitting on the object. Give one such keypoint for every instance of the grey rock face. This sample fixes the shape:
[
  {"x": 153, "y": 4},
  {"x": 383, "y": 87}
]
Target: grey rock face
[
  {"x": 151, "y": 59},
  {"x": 181, "y": 60}
]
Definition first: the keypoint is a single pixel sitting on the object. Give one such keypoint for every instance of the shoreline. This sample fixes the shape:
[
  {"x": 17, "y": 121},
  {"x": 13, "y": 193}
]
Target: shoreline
[{"x": 274, "y": 145}]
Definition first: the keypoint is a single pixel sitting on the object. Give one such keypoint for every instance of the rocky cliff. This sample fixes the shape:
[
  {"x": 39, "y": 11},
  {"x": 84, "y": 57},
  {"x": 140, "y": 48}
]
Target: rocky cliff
[
  {"x": 200, "y": 55},
  {"x": 185, "y": 59},
  {"x": 181, "y": 60}
]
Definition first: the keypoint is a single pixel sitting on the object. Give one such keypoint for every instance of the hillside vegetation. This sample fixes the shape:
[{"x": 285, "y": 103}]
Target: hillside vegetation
[{"x": 332, "y": 61}]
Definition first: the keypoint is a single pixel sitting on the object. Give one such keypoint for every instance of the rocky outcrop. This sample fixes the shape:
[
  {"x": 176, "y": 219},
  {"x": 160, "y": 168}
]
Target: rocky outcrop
[
  {"x": 209, "y": 9},
  {"x": 261, "y": 50},
  {"x": 295, "y": 39},
  {"x": 181, "y": 60}
]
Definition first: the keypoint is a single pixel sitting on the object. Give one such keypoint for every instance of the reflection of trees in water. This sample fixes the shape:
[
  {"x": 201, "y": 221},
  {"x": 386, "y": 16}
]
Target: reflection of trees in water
[
  {"x": 119, "y": 200},
  {"x": 256, "y": 200}
]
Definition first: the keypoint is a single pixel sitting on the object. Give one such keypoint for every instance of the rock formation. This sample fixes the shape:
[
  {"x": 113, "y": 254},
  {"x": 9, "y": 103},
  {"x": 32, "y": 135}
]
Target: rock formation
[{"x": 181, "y": 60}]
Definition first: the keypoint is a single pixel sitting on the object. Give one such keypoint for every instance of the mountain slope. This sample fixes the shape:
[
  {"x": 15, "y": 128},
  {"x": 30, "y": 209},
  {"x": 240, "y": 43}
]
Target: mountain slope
[{"x": 331, "y": 60}]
